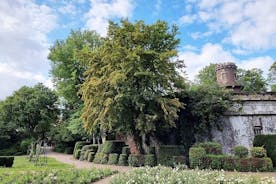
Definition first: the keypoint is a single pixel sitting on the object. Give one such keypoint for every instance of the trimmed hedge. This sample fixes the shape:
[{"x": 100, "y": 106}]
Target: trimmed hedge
[
  {"x": 212, "y": 148},
  {"x": 6, "y": 161},
  {"x": 78, "y": 146},
  {"x": 113, "y": 158},
  {"x": 258, "y": 152},
  {"x": 196, "y": 154},
  {"x": 179, "y": 160},
  {"x": 91, "y": 156},
  {"x": 77, "y": 154},
  {"x": 136, "y": 160},
  {"x": 114, "y": 146},
  {"x": 150, "y": 160},
  {"x": 100, "y": 158},
  {"x": 269, "y": 143},
  {"x": 126, "y": 150},
  {"x": 87, "y": 153},
  {"x": 213, "y": 161},
  {"x": 166, "y": 152},
  {"x": 240, "y": 151},
  {"x": 123, "y": 159}
]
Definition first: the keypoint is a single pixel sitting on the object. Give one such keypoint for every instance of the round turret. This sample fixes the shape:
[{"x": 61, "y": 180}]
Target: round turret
[{"x": 226, "y": 75}]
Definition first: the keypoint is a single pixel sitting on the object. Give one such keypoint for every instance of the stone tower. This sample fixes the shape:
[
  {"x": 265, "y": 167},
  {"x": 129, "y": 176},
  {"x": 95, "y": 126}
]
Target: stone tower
[{"x": 226, "y": 76}]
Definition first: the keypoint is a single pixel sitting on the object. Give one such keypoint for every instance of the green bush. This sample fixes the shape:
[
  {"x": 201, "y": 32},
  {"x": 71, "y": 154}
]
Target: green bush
[
  {"x": 136, "y": 160},
  {"x": 179, "y": 160},
  {"x": 68, "y": 150},
  {"x": 165, "y": 153},
  {"x": 268, "y": 165},
  {"x": 229, "y": 163},
  {"x": 92, "y": 147},
  {"x": 196, "y": 155},
  {"x": 126, "y": 150},
  {"x": 240, "y": 151},
  {"x": 78, "y": 146},
  {"x": 123, "y": 159},
  {"x": 114, "y": 146},
  {"x": 253, "y": 164},
  {"x": 150, "y": 160},
  {"x": 24, "y": 145},
  {"x": 100, "y": 158},
  {"x": 212, "y": 148},
  {"x": 87, "y": 153},
  {"x": 113, "y": 158},
  {"x": 77, "y": 154},
  {"x": 268, "y": 142},
  {"x": 90, "y": 156},
  {"x": 213, "y": 161},
  {"x": 258, "y": 152},
  {"x": 6, "y": 161}
]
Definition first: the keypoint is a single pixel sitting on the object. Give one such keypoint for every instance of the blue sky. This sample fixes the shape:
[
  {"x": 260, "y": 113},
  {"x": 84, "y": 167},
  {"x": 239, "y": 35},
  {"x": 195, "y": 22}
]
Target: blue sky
[{"x": 241, "y": 31}]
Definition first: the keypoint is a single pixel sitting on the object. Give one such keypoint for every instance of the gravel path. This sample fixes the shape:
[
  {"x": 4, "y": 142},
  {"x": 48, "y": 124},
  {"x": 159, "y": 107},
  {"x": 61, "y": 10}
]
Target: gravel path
[{"x": 68, "y": 159}]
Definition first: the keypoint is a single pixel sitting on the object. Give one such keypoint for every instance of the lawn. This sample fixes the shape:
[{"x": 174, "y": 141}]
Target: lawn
[{"x": 24, "y": 171}]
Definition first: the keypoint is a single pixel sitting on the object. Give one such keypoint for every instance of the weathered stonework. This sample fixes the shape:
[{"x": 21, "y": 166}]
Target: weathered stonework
[{"x": 249, "y": 112}]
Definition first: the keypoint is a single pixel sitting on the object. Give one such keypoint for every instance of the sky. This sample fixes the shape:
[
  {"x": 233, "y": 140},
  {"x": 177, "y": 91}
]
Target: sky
[{"x": 211, "y": 31}]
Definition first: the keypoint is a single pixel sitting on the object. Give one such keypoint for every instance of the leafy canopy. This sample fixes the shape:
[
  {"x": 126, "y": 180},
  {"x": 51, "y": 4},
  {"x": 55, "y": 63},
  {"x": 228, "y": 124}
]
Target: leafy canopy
[{"x": 131, "y": 79}]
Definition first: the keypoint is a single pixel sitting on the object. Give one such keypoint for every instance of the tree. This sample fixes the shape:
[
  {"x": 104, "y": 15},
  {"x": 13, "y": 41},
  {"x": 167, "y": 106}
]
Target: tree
[
  {"x": 252, "y": 80},
  {"x": 28, "y": 113},
  {"x": 207, "y": 76},
  {"x": 131, "y": 80},
  {"x": 272, "y": 77}
]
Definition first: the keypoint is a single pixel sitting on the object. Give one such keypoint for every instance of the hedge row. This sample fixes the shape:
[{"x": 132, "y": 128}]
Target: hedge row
[
  {"x": 6, "y": 161},
  {"x": 167, "y": 152}
]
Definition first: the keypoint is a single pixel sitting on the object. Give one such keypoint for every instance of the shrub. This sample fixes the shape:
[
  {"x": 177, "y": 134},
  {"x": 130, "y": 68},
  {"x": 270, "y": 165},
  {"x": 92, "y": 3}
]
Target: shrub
[
  {"x": 136, "y": 160},
  {"x": 123, "y": 159},
  {"x": 165, "y": 153},
  {"x": 68, "y": 150},
  {"x": 77, "y": 154},
  {"x": 91, "y": 156},
  {"x": 229, "y": 163},
  {"x": 213, "y": 148},
  {"x": 258, "y": 152},
  {"x": 100, "y": 158},
  {"x": 240, "y": 151},
  {"x": 114, "y": 146},
  {"x": 216, "y": 161},
  {"x": 126, "y": 150},
  {"x": 113, "y": 158},
  {"x": 268, "y": 142},
  {"x": 267, "y": 165},
  {"x": 6, "y": 161},
  {"x": 24, "y": 145},
  {"x": 87, "y": 153},
  {"x": 179, "y": 160},
  {"x": 92, "y": 147},
  {"x": 243, "y": 165},
  {"x": 196, "y": 155},
  {"x": 150, "y": 160},
  {"x": 78, "y": 146}
]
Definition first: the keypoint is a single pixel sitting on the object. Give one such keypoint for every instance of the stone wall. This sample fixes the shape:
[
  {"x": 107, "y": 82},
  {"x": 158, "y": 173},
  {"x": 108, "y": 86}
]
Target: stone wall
[{"x": 249, "y": 112}]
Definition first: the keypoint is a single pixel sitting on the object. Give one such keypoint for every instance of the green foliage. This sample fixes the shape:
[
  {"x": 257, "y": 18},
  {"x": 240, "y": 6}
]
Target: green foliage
[
  {"x": 79, "y": 145},
  {"x": 207, "y": 76},
  {"x": 100, "y": 158},
  {"x": 213, "y": 148},
  {"x": 136, "y": 160},
  {"x": 131, "y": 80},
  {"x": 126, "y": 150},
  {"x": 150, "y": 160},
  {"x": 113, "y": 158},
  {"x": 25, "y": 144},
  {"x": 240, "y": 151},
  {"x": 160, "y": 174},
  {"x": 113, "y": 146},
  {"x": 229, "y": 163},
  {"x": 77, "y": 154},
  {"x": 166, "y": 152},
  {"x": 179, "y": 160},
  {"x": 252, "y": 80},
  {"x": 272, "y": 77},
  {"x": 268, "y": 142},
  {"x": 213, "y": 161},
  {"x": 91, "y": 156},
  {"x": 196, "y": 154},
  {"x": 86, "y": 153},
  {"x": 258, "y": 152},
  {"x": 6, "y": 161},
  {"x": 123, "y": 158}
]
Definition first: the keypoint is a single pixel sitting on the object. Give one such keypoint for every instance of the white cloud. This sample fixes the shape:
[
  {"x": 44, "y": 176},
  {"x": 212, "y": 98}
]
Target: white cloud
[
  {"x": 249, "y": 24},
  {"x": 157, "y": 7},
  {"x": 102, "y": 10},
  {"x": 23, "y": 44},
  {"x": 215, "y": 53},
  {"x": 187, "y": 19}
]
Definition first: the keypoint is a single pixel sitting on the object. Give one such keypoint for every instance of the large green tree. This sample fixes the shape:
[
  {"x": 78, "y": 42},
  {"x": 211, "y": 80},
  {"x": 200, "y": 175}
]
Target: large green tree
[
  {"x": 272, "y": 77},
  {"x": 28, "y": 113},
  {"x": 131, "y": 80}
]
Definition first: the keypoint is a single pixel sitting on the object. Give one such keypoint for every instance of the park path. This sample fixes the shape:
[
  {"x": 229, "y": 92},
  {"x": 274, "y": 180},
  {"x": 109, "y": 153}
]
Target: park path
[{"x": 68, "y": 159}]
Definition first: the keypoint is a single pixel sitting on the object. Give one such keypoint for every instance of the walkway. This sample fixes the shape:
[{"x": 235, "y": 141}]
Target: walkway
[{"x": 68, "y": 159}]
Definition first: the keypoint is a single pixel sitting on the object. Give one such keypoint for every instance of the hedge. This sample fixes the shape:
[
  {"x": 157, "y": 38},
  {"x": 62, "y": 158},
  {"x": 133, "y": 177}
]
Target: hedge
[
  {"x": 136, "y": 160},
  {"x": 240, "y": 151},
  {"x": 87, "y": 153},
  {"x": 126, "y": 150},
  {"x": 213, "y": 161},
  {"x": 77, "y": 154},
  {"x": 258, "y": 152},
  {"x": 91, "y": 156},
  {"x": 123, "y": 158},
  {"x": 195, "y": 156},
  {"x": 212, "y": 148},
  {"x": 100, "y": 158},
  {"x": 179, "y": 160},
  {"x": 268, "y": 142},
  {"x": 113, "y": 158},
  {"x": 166, "y": 152},
  {"x": 6, "y": 161},
  {"x": 78, "y": 145},
  {"x": 113, "y": 146},
  {"x": 150, "y": 160}
]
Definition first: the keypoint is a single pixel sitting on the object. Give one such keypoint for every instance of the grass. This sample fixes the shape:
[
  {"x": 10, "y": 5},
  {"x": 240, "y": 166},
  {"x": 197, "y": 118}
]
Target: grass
[{"x": 24, "y": 172}]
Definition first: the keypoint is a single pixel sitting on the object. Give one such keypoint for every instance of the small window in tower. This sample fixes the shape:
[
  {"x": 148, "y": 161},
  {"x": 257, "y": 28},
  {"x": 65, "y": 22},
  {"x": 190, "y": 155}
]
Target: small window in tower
[{"x": 258, "y": 127}]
